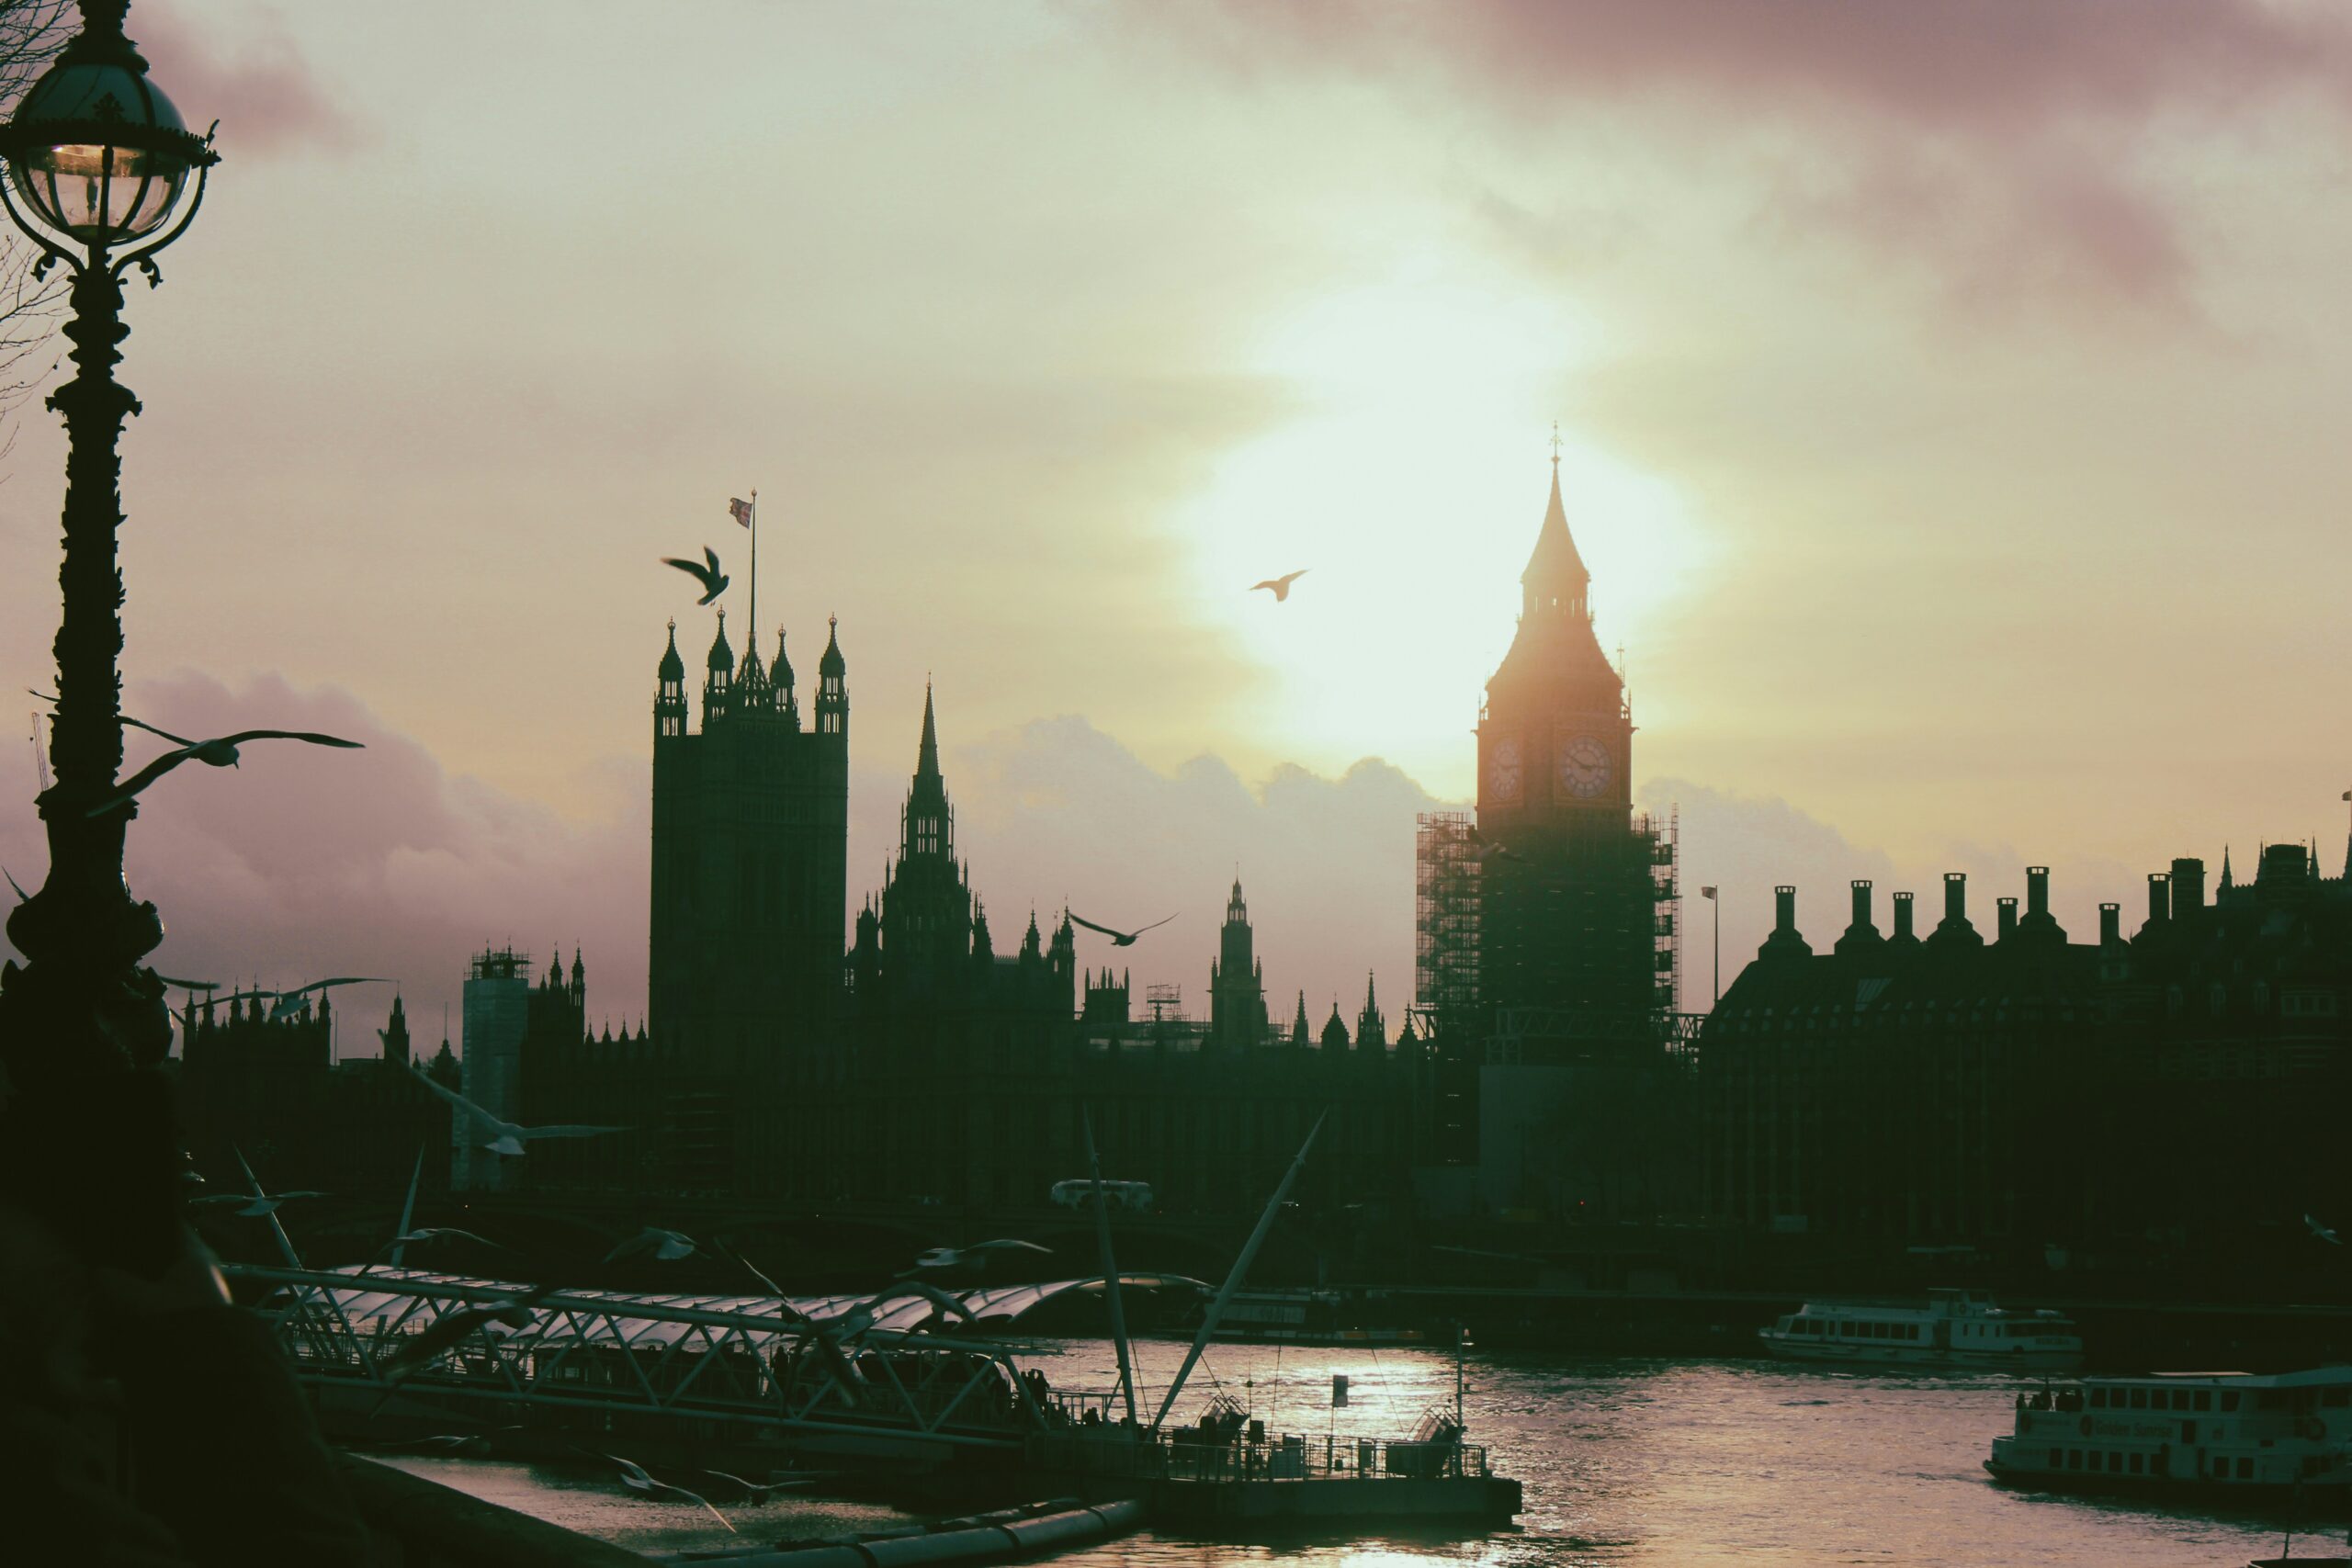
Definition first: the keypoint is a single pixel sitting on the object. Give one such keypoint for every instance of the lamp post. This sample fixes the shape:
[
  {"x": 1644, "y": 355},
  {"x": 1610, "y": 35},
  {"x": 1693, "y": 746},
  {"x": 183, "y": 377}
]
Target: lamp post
[{"x": 96, "y": 162}]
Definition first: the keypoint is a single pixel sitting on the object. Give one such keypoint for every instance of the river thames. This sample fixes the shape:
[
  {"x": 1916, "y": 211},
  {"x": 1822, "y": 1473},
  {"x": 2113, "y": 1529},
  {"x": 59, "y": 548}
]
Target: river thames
[{"x": 1626, "y": 1461}]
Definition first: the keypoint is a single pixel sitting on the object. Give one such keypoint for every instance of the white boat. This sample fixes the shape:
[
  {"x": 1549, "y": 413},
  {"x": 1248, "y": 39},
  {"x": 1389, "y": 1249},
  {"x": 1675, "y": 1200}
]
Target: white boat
[
  {"x": 2223, "y": 1436},
  {"x": 1957, "y": 1330}
]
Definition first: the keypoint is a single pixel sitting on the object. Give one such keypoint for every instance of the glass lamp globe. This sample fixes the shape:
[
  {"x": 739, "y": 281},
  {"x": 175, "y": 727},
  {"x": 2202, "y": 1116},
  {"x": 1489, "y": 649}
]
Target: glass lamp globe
[{"x": 98, "y": 152}]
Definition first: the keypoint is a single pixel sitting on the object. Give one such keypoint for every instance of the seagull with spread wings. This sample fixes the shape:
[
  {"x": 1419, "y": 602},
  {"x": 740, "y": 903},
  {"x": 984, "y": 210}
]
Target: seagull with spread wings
[
  {"x": 667, "y": 1246},
  {"x": 705, "y": 572},
  {"x": 633, "y": 1476},
  {"x": 458, "y": 1323},
  {"x": 217, "y": 752},
  {"x": 979, "y": 1252},
  {"x": 1119, "y": 939},
  {"x": 1280, "y": 586},
  {"x": 287, "y": 1000},
  {"x": 506, "y": 1137}
]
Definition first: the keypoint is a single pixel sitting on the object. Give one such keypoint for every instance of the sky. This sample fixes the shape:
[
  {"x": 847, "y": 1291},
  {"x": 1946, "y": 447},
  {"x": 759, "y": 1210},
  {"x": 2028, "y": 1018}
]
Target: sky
[{"x": 1948, "y": 398}]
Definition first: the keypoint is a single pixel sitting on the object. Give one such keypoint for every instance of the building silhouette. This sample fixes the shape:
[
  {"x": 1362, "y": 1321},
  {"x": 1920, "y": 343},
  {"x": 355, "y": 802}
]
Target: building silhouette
[
  {"x": 750, "y": 822},
  {"x": 1237, "y": 981},
  {"x": 2172, "y": 1092},
  {"x": 1547, "y": 953}
]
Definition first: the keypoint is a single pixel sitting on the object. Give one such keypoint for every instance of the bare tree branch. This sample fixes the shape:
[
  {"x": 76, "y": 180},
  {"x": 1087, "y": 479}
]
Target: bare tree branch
[{"x": 32, "y": 32}]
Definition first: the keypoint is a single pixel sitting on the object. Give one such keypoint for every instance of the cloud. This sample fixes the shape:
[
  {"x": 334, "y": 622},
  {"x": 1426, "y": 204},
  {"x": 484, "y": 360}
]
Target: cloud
[
  {"x": 1982, "y": 132},
  {"x": 1749, "y": 845},
  {"x": 267, "y": 96},
  {"x": 303, "y": 862},
  {"x": 1057, "y": 809}
]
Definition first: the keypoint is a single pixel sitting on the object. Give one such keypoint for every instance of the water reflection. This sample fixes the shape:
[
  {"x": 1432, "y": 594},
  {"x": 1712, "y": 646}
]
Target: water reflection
[{"x": 1626, "y": 1461}]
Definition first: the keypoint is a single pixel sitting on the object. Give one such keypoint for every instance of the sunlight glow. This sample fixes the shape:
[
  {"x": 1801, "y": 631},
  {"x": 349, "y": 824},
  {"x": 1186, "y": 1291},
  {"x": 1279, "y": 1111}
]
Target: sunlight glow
[{"x": 1409, "y": 486}]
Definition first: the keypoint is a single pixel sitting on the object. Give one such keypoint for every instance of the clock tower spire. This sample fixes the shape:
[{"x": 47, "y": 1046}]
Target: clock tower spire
[{"x": 1567, "y": 914}]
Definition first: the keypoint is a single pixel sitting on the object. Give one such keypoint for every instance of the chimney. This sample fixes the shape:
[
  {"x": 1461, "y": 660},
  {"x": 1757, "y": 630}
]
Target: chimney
[
  {"x": 1956, "y": 896},
  {"x": 2110, "y": 924},
  {"x": 1902, "y": 917},
  {"x": 2037, "y": 890},
  {"x": 2188, "y": 886},
  {"x": 2159, "y": 898},
  {"x": 1784, "y": 940},
  {"x": 2007, "y": 927},
  {"x": 1861, "y": 903}
]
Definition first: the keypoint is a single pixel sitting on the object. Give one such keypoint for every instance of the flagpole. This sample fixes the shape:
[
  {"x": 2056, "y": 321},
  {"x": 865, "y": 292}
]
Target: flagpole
[{"x": 754, "y": 617}]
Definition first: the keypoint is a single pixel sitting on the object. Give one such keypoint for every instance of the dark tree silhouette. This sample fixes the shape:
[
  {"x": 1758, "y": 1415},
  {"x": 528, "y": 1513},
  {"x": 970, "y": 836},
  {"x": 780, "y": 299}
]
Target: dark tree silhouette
[{"x": 32, "y": 32}]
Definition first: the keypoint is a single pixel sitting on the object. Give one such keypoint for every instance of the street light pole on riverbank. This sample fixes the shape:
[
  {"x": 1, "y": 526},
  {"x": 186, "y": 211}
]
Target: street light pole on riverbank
[{"x": 97, "y": 164}]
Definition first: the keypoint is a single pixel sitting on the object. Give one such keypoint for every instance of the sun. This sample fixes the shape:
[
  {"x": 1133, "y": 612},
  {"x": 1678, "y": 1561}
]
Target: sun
[{"x": 1408, "y": 485}]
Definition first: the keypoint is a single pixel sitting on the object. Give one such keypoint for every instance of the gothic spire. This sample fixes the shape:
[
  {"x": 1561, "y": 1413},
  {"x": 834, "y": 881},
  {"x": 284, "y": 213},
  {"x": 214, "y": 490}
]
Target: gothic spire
[
  {"x": 927, "y": 755},
  {"x": 722, "y": 657},
  {"x": 673, "y": 667},
  {"x": 1555, "y": 577}
]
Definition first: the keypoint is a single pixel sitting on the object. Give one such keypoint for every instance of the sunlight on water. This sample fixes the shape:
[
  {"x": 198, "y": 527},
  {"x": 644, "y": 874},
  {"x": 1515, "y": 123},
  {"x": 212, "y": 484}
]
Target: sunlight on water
[{"x": 1626, "y": 1462}]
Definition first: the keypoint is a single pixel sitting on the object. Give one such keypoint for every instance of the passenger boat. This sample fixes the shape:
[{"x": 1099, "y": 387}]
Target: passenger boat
[
  {"x": 1309, "y": 1318},
  {"x": 2226, "y": 1435},
  {"x": 1954, "y": 1330}
]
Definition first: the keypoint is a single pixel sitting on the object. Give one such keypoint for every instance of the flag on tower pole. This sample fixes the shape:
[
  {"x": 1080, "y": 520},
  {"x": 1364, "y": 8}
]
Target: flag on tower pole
[
  {"x": 1709, "y": 893},
  {"x": 740, "y": 511}
]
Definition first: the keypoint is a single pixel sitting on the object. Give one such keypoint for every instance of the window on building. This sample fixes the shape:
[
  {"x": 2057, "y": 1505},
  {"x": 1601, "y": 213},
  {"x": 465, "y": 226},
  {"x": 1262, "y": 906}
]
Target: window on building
[
  {"x": 2229, "y": 1399},
  {"x": 2136, "y": 1461},
  {"x": 2204, "y": 1399},
  {"x": 2057, "y": 1459},
  {"x": 2245, "y": 1469},
  {"x": 2139, "y": 1399},
  {"x": 2099, "y": 1399}
]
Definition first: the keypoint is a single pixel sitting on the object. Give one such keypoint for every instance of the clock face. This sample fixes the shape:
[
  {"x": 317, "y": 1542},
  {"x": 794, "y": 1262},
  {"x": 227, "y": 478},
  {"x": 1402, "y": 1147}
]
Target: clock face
[
  {"x": 1584, "y": 767},
  {"x": 1503, "y": 770}
]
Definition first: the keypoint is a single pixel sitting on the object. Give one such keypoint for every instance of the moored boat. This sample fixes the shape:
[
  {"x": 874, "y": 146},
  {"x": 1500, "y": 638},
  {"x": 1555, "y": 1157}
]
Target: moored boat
[
  {"x": 1954, "y": 1330},
  {"x": 1311, "y": 1317},
  {"x": 2235, "y": 1437}
]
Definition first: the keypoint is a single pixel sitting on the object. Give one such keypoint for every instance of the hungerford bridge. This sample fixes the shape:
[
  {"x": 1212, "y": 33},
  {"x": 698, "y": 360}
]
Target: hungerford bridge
[{"x": 390, "y": 1352}]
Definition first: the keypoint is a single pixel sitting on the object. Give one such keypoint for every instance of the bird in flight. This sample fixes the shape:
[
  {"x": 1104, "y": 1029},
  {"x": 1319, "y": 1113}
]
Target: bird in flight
[
  {"x": 705, "y": 572},
  {"x": 506, "y": 1137},
  {"x": 455, "y": 1324},
  {"x": 633, "y": 1476},
  {"x": 219, "y": 753},
  {"x": 253, "y": 1205},
  {"x": 287, "y": 1000},
  {"x": 978, "y": 1254},
  {"x": 1280, "y": 586},
  {"x": 2323, "y": 1232},
  {"x": 434, "y": 1233},
  {"x": 667, "y": 1246},
  {"x": 758, "y": 1489},
  {"x": 1120, "y": 938},
  {"x": 1493, "y": 850}
]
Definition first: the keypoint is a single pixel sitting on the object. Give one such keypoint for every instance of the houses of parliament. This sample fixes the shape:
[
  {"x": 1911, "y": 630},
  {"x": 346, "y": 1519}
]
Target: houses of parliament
[{"x": 934, "y": 1051}]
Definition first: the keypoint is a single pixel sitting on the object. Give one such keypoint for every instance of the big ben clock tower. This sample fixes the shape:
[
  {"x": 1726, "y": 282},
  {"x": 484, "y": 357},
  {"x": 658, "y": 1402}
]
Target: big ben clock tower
[{"x": 1568, "y": 902}]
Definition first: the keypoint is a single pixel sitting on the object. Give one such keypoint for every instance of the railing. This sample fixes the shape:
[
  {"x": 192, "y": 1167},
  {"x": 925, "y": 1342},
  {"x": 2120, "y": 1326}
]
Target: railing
[{"x": 1122, "y": 1455}]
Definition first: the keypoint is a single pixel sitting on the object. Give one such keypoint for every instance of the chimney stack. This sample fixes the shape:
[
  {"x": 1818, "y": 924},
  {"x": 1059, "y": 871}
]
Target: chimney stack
[
  {"x": 2159, "y": 898},
  {"x": 2037, "y": 890},
  {"x": 1903, "y": 932},
  {"x": 1784, "y": 908},
  {"x": 1861, "y": 903},
  {"x": 2110, "y": 924},
  {"x": 2007, "y": 927},
  {"x": 2188, "y": 886},
  {"x": 1956, "y": 896}
]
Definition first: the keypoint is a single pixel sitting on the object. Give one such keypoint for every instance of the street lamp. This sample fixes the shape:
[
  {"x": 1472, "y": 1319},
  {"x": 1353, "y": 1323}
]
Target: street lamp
[{"x": 96, "y": 164}]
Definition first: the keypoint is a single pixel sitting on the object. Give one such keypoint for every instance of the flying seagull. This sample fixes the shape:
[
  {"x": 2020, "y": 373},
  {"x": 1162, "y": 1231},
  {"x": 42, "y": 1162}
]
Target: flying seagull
[
  {"x": 1492, "y": 849},
  {"x": 1280, "y": 586},
  {"x": 633, "y": 1476},
  {"x": 757, "y": 1489},
  {"x": 713, "y": 581},
  {"x": 667, "y": 1246},
  {"x": 287, "y": 999},
  {"x": 977, "y": 1253},
  {"x": 457, "y": 1323},
  {"x": 1120, "y": 938},
  {"x": 219, "y": 753},
  {"x": 506, "y": 1137},
  {"x": 253, "y": 1206},
  {"x": 2323, "y": 1232},
  {"x": 932, "y": 1293},
  {"x": 435, "y": 1233}
]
